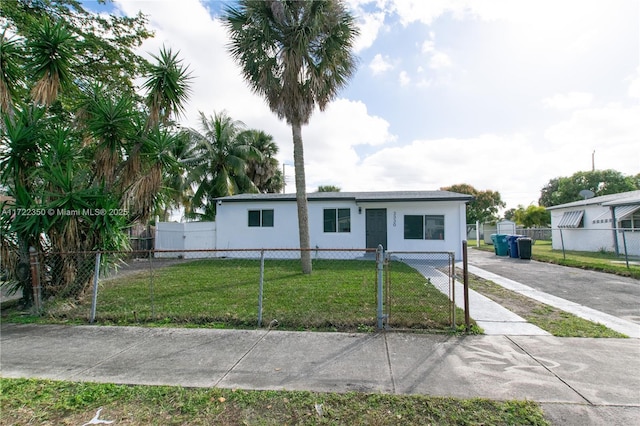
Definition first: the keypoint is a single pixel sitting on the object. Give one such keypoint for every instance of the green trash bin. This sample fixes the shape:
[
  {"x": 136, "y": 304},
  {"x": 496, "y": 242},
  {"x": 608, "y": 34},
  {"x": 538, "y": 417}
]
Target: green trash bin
[
  {"x": 493, "y": 241},
  {"x": 502, "y": 245},
  {"x": 524, "y": 247}
]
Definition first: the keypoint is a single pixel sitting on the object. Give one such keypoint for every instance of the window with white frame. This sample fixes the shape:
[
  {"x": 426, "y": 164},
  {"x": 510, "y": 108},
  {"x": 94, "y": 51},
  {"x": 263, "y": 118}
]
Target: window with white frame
[{"x": 261, "y": 218}]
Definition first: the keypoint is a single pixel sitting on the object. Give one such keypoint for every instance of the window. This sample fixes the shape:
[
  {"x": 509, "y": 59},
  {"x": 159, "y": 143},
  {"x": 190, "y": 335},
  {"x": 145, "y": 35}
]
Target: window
[
  {"x": 262, "y": 218},
  {"x": 413, "y": 227},
  {"x": 428, "y": 227},
  {"x": 434, "y": 227},
  {"x": 631, "y": 221},
  {"x": 337, "y": 220}
]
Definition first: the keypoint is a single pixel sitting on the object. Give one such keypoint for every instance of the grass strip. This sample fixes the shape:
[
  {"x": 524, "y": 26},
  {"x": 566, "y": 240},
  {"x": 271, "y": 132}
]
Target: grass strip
[{"x": 44, "y": 402}]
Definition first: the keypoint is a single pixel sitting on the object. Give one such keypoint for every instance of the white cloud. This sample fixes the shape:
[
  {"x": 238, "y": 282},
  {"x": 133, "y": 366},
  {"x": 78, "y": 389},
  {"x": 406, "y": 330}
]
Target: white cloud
[
  {"x": 425, "y": 11},
  {"x": 612, "y": 131},
  {"x": 428, "y": 46},
  {"x": 440, "y": 60},
  {"x": 370, "y": 25},
  {"x": 485, "y": 162},
  {"x": 567, "y": 101},
  {"x": 404, "y": 78},
  {"x": 634, "y": 85},
  {"x": 380, "y": 64}
]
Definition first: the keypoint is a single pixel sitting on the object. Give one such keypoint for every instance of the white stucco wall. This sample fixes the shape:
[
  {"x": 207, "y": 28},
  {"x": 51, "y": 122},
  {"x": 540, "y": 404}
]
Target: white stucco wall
[
  {"x": 591, "y": 237},
  {"x": 233, "y": 231}
]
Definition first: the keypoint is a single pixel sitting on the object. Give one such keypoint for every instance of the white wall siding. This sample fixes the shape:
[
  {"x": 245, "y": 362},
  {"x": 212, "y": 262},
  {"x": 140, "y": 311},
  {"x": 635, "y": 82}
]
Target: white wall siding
[{"x": 185, "y": 236}]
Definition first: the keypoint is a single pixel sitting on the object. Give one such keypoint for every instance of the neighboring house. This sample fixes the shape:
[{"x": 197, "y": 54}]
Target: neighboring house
[
  {"x": 598, "y": 224},
  {"x": 399, "y": 220}
]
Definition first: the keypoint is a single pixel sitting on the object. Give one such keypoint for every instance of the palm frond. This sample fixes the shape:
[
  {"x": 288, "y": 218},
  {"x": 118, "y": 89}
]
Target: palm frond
[
  {"x": 10, "y": 71},
  {"x": 168, "y": 86},
  {"x": 51, "y": 50}
]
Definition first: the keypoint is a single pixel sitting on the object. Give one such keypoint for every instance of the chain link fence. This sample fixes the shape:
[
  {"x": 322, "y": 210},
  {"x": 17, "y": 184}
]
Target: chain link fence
[
  {"x": 622, "y": 242},
  {"x": 413, "y": 301},
  {"x": 348, "y": 290}
]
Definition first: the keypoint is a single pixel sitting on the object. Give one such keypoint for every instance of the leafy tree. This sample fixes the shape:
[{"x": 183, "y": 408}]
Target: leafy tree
[
  {"x": 510, "y": 214},
  {"x": 297, "y": 54},
  {"x": 103, "y": 45},
  {"x": 328, "y": 188},
  {"x": 219, "y": 164},
  {"x": 71, "y": 143},
  {"x": 532, "y": 216},
  {"x": 484, "y": 206},
  {"x": 563, "y": 190}
]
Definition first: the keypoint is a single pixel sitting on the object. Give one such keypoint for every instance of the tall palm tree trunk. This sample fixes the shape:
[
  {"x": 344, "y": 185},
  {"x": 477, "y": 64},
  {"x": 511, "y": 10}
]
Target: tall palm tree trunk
[{"x": 301, "y": 198}]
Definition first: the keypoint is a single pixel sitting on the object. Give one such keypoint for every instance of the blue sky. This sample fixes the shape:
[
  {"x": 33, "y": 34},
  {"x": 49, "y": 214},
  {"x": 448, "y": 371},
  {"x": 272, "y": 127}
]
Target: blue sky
[{"x": 500, "y": 94}]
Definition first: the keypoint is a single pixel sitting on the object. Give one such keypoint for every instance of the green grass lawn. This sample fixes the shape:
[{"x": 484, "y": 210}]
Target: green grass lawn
[
  {"x": 44, "y": 402},
  {"x": 338, "y": 295},
  {"x": 596, "y": 261}
]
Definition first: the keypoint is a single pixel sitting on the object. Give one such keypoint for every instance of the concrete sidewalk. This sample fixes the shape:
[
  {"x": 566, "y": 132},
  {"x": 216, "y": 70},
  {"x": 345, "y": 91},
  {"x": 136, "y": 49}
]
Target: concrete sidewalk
[{"x": 578, "y": 381}]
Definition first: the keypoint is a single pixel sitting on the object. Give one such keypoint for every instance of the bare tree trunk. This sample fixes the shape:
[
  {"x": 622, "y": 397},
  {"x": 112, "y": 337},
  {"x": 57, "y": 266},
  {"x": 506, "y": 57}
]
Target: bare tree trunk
[{"x": 301, "y": 198}]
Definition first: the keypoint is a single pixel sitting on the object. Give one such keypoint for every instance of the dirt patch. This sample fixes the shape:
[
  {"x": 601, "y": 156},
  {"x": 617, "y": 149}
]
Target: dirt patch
[{"x": 131, "y": 267}]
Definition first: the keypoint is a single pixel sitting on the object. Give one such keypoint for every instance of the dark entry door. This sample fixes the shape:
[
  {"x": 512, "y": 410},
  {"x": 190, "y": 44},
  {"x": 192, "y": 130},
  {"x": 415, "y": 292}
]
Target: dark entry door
[{"x": 376, "y": 228}]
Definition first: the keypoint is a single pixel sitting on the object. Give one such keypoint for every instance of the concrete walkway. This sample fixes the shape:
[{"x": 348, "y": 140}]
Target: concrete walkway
[{"x": 578, "y": 381}]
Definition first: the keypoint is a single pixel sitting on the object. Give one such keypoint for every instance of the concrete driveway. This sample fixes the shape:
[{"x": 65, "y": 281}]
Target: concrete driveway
[{"x": 608, "y": 293}]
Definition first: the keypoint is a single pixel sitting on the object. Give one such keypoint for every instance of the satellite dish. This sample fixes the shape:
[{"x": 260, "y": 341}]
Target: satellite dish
[{"x": 586, "y": 194}]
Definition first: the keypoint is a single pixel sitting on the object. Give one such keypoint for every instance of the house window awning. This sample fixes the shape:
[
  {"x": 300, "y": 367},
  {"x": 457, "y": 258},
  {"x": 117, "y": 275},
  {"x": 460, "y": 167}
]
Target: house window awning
[
  {"x": 621, "y": 213},
  {"x": 571, "y": 219}
]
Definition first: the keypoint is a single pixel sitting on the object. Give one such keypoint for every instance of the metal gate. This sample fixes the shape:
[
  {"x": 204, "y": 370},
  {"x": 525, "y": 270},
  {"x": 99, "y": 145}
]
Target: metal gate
[{"x": 420, "y": 290}]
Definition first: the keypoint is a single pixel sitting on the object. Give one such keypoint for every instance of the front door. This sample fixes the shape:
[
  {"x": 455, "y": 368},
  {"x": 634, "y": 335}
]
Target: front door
[{"x": 376, "y": 228}]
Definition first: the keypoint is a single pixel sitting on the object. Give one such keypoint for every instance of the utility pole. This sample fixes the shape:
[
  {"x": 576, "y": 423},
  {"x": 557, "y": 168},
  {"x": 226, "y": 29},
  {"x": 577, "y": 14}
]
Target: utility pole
[{"x": 593, "y": 161}]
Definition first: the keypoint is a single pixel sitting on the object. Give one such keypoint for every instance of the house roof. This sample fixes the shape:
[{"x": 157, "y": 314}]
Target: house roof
[
  {"x": 620, "y": 199},
  {"x": 360, "y": 197}
]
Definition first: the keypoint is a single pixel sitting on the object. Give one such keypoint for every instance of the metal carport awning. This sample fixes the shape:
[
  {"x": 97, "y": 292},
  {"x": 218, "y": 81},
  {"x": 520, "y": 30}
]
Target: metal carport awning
[{"x": 571, "y": 219}]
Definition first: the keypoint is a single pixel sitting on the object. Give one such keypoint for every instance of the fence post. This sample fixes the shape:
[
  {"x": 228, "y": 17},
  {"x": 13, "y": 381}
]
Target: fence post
[
  {"x": 35, "y": 279},
  {"x": 465, "y": 282},
  {"x": 94, "y": 300},
  {"x": 261, "y": 288},
  {"x": 380, "y": 270},
  {"x": 624, "y": 244}
]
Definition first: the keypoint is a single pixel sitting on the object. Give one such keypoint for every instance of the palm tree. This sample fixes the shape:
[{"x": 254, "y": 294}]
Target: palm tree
[
  {"x": 219, "y": 166},
  {"x": 168, "y": 87},
  {"x": 263, "y": 171},
  {"x": 51, "y": 52},
  {"x": 297, "y": 54},
  {"x": 10, "y": 72}
]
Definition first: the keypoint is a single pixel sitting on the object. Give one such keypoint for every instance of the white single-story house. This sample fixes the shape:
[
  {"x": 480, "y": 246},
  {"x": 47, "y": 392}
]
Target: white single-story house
[
  {"x": 598, "y": 224},
  {"x": 399, "y": 220}
]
